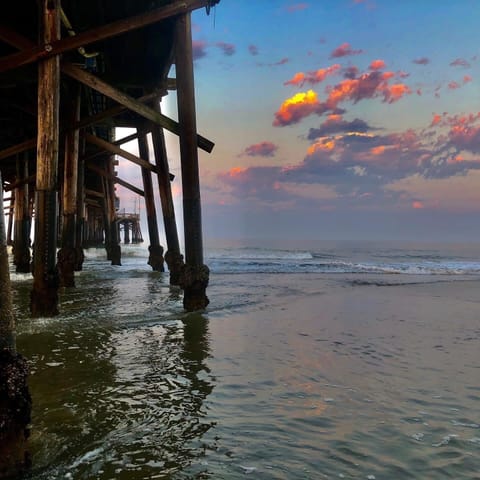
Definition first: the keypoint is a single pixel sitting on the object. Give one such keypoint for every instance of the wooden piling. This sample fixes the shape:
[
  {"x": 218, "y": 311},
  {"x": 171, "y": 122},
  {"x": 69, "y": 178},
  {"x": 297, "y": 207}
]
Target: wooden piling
[
  {"x": 11, "y": 214},
  {"x": 155, "y": 259},
  {"x": 173, "y": 257},
  {"x": 44, "y": 296},
  {"x": 195, "y": 274},
  {"x": 15, "y": 399},
  {"x": 22, "y": 222},
  {"x": 80, "y": 212},
  {"x": 67, "y": 253}
]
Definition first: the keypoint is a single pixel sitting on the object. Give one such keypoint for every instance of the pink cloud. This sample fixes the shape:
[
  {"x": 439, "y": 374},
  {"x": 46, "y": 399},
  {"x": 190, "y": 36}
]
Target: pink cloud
[
  {"x": 377, "y": 65},
  {"x": 314, "y": 77},
  {"x": 460, "y": 62},
  {"x": 421, "y": 61},
  {"x": 418, "y": 205},
  {"x": 467, "y": 79},
  {"x": 227, "y": 48},
  {"x": 369, "y": 85},
  {"x": 297, "y": 7},
  {"x": 453, "y": 85},
  {"x": 199, "y": 49},
  {"x": 261, "y": 149},
  {"x": 253, "y": 49},
  {"x": 344, "y": 50}
]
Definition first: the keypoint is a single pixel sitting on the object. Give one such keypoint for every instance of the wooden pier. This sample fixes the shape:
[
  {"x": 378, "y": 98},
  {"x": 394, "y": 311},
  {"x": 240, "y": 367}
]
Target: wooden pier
[{"x": 70, "y": 73}]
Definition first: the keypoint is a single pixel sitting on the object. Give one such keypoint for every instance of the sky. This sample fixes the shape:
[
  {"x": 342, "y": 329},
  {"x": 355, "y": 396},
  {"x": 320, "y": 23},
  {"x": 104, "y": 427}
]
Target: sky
[{"x": 336, "y": 120}]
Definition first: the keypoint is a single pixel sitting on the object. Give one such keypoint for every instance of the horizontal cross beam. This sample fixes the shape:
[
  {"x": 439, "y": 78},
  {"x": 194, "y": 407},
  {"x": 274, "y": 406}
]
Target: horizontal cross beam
[
  {"x": 33, "y": 53},
  {"x": 129, "y": 102}
]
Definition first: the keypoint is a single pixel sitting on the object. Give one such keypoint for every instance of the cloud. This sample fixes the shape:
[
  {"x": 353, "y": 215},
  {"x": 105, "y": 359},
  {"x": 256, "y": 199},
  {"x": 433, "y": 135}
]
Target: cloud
[
  {"x": 280, "y": 62},
  {"x": 453, "y": 85},
  {"x": 417, "y": 205},
  {"x": 377, "y": 65},
  {"x": 460, "y": 62},
  {"x": 369, "y": 85},
  {"x": 335, "y": 125},
  {"x": 350, "y": 72},
  {"x": 358, "y": 167},
  {"x": 297, "y": 7},
  {"x": 262, "y": 149},
  {"x": 228, "y": 49},
  {"x": 421, "y": 61},
  {"x": 313, "y": 77},
  {"x": 467, "y": 79},
  {"x": 344, "y": 50},
  {"x": 253, "y": 49},
  {"x": 296, "y": 108},
  {"x": 199, "y": 49}
]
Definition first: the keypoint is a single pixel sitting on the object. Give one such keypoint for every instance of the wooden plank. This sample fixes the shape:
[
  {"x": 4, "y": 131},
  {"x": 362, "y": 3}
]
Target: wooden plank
[
  {"x": 19, "y": 183},
  {"x": 126, "y": 100},
  {"x": 131, "y": 187},
  {"x": 109, "y": 113},
  {"x": 93, "y": 193},
  {"x": 110, "y": 147},
  {"x": 20, "y": 147},
  {"x": 31, "y": 143},
  {"x": 49, "y": 49},
  {"x": 118, "y": 180}
]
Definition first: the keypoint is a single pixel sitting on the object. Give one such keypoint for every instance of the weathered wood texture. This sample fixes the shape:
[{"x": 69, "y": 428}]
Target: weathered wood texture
[
  {"x": 44, "y": 297},
  {"x": 129, "y": 102},
  {"x": 54, "y": 47},
  {"x": 195, "y": 274},
  {"x": 155, "y": 259},
  {"x": 173, "y": 257}
]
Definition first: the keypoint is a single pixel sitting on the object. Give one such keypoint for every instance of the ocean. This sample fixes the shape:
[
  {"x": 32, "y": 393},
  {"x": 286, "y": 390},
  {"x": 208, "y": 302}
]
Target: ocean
[{"x": 340, "y": 360}]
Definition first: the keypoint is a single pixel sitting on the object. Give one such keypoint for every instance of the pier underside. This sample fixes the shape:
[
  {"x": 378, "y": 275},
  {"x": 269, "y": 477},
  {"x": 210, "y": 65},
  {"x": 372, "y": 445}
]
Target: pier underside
[{"x": 70, "y": 73}]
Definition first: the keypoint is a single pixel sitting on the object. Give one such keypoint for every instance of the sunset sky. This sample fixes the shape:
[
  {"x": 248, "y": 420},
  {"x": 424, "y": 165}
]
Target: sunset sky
[{"x": 338, "y": 119}]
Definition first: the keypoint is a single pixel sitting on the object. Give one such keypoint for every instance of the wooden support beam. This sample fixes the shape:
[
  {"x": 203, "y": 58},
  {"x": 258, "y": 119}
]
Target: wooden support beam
[
  {"x": 21, "y": 241},
  {"x": 129, "y": 186},
  {"x": 20, "y": 183},
  {"x": 55, "y": 47},
  {"x": 110, "y": 112},
  {"x": 110, "y": 147},
  {"x": 118, "y": 180},
  {"x": 44, "y": 296},
  {"x": 173, "y": 257},
  {"x": 196, "y": 274},
  {"x": 126, "y": 100},
  {"x": 155, "y": 259},
  {"x": 93, "y": 193},
  {"x": 66, "y": 257},
  {"x": 19, "y": 148}
]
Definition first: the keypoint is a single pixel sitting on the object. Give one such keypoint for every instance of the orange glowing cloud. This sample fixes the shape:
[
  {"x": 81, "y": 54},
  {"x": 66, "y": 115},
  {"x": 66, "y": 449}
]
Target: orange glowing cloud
[
  {"x": 326, "y": 145},
  {"x": 296, "y": 108},
  {"x": 456, "y": 159},
  {"x": 377, "y": 65},
  {"x": 467, "y": 79},
  {"x": 395, "y": 92},
  {"x": 236, "y": 172},
  {"x": 314, "y": 77},
  {"x": 378, "y": 150},
  {"x": 417, "y": 205},
  {"x": 436, "y": 119}
]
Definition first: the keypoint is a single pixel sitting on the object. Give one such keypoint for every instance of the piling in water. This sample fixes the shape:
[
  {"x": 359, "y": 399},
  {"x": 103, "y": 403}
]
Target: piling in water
[{"x": 15, "y": 401}]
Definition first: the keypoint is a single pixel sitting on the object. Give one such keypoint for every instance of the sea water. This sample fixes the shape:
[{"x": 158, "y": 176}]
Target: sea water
[{"x": 334, "y": 361}]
